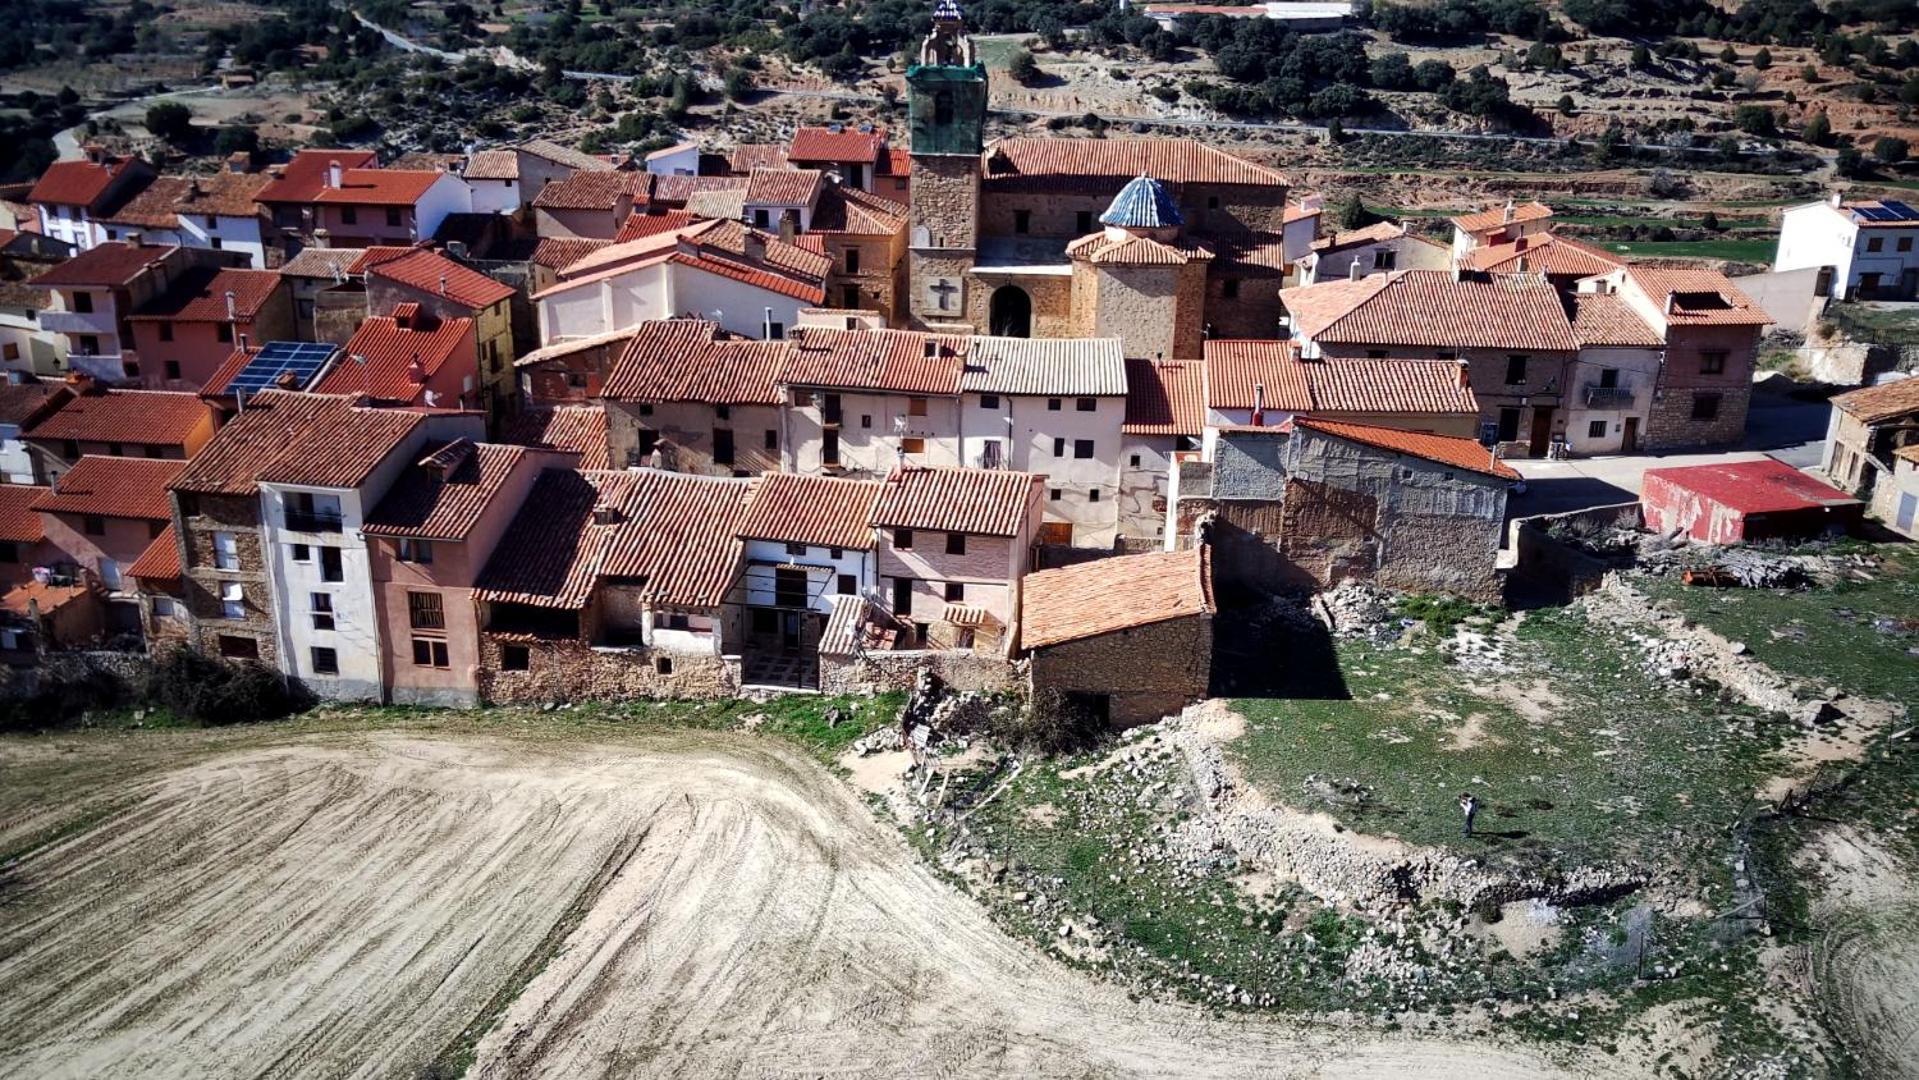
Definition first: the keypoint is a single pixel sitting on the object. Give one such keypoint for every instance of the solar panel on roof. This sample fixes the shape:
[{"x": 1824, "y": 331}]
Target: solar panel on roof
[
  {"x": 1899, "y": 209},
  {"x": 1873, "y": 213},
  {"x": 303, "y": 360}
]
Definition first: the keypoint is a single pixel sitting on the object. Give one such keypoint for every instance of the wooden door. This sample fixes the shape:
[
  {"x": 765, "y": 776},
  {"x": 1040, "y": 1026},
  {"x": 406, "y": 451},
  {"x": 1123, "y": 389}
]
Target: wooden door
[
  {"x": 1629, "y": 443},
  {"x": 1542, "y": 433}
]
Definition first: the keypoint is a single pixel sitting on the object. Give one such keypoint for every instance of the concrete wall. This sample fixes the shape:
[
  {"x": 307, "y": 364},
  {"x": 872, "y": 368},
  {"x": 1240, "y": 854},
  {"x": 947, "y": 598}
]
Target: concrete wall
[
  {"x": 872, "y": 426},
  {"x": 1558, "y": 570}
]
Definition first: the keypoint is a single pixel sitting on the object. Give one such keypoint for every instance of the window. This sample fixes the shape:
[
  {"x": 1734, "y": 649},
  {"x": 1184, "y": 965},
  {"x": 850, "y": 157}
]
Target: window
[
  {"x": 1515, "y": 371},
  {"x": 1713, "y": 362},
  {"x": 849, "y": 296},
  {"x": 226, "y": 554},
  {"x": 1905, "y": 243},
  {"x": 1052, "y": 404},
  {"x": 1596, "y": 429},
  {"x": 1705, "y": 406},
  {"x": 166, "y": 331},
  {"x": 852, "y": 260},
  {"x": 955, "y": 592},
  {"x": 1059, "y": 446},
  {"x": 416, "y": 551},
  {"x": 212, "y": 222},
  {"x": 830, "y": 446},
  {"x": 1875, "y": 244},
  {"x": 233, "y": 600},
  {"x": 515, "y": 658},
  {"x": 956, "y": 543},
  {"x": 916, "y": 406},
  {"x": 307, "y": 512},
  {"x": 1082, "y": 448},
  {"x": 1134, "y": 461},
  {"x": 224, "y": 332},
  {"x": 796, "y": 550},
  {"x": 722, "y": 446},
  {"x": 663, "y": 665},
  {"x": 89, "y": 345},
  {"x": 173, "y": 369},
  {"x": 902, "y": 596},
  {"x": 834, "y": 553},
  {"x": 913, "y": 446},
  {"x": 94, "y": 525},
  {"x": 1092, "y": 495},
  {"x": 234, "y": 647},
  {"x": 1609, "y": 377},
  {"x": 10, "y": 351},
  {"x": 330, "y": 567},
  {"x": 322, "y": 609},
  {"x": 1508, "y": 425},
  {"x": 70, "y": 450},
  {"x": 848, "y": 585},
  {"x": 1083, "y": 222},
  {"x": 429, "y": 653},
  {"x": 130, "y": 369},
  {"x": 325, "y": 661},
  {"x": 302, "y": 553},
  {"x": 1229, "y": 288},
  {"x": 83, "y": 303},
  {"x": 775, "y": 331},
  {"x": 393, "y": 216},
  {"x": 789, "y": 588},
  {"x": 349, "y": 215},
  {"x": 1022, "y": 221},
  {"x": 989, "y": 401},
  {"x": 424, "y": 611},
  {"x": 1086, "y": 404},
  {"x": 1055, "y": 494},
  {"x": 772, "y": 439},
  {"x": 9, "y": 552},
  {"x": 762, "y": 218},
  {"x": 903, "y": 539},
  {"x": 646, "y": 409},
  {"x": 163, "y": 607},
  {"x": 866, "y": 420}
]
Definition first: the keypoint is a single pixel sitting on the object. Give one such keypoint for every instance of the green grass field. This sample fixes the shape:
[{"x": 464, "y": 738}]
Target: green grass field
[{"x": 1749, "y": 251}]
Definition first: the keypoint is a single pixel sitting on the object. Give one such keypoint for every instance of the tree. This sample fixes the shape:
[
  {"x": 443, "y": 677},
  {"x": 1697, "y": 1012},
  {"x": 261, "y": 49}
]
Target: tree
[
  {"x": 1353, "y": 213},
  {"x": 1809, "y": 73},
  {"x": 1710, "y": 222},
  {"x": 1022, "y": 67},
  {"x": 739, "y": 83},
  {"x": 171, "y": 121},
  {"x": 1335, "y": 131},
  {"x": 1729, "y": 55},
  {"x": 68, "y": 96},
  {"x": 1818, "y": 130},
  {"x": 1641, "y": 57},
  {"x": 1756, "y": 120},
  {"x": 1565, "y": 104},
  {"x": 234, "y": 139},
  {"x": 1609, "y": 144},
  {"x": 1762, "y": 59},
  {"x": 1850, "y": 162},
  {"x": 1891, "y": 150}
]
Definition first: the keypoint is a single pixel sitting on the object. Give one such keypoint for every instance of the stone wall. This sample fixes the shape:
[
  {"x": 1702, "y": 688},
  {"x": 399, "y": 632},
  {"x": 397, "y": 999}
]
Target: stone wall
[
  {"x": 884, "y": 672},
  {"x": 688, "y": 428},
  {"x": 1560, "y": 571},
  {"x": 944, "y": 207},
  {"x": 1253, "y": 313},
  {"x": 1146, "y": 673},
  {"x": 1670, "y": 424},
  {"x": 574, "y": 671},
  {"x": 1051, "y": 294},
  {"x": 1683, "y": 380},
  {"x": 202, "y": 579}
]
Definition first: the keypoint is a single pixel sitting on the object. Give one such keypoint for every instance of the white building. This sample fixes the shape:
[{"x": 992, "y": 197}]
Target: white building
[
  {"x": 680, "y": 159},
  {"x": 493, "y": 177},
  {"x": 1865, "y": 248},
  {"x": 1376, "y": 249},
  {"x": 1613, "y": 377},
  {"x": 71, "y": 195}
]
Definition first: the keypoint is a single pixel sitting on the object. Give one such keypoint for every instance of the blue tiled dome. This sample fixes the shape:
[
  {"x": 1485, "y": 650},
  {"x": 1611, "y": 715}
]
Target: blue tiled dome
[{"x": 1144, "y": 203}]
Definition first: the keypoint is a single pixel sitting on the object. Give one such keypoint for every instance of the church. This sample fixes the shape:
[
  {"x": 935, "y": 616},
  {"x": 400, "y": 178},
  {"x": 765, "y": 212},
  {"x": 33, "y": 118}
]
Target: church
[{"x": 1160, "y": 242}]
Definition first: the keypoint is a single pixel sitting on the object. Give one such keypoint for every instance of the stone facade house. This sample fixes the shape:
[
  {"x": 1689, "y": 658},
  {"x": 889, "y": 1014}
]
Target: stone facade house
[
  {"x": 1165, "y": 415},
  {"x": 952, "y": 547},
  {"x": 1129, "y": 639},
  {"x": 864, "y": 237},
  {"x": 1895, "y": 500},
  {"x": 329, "y": 294},
  {"x": 686, "y": 397},
  {"x": 1266, "y": 383},
  {"x": 589, "y": 205},
  {"x": 1560, "y": 259},
  {"x": 541, "y": 162},
  {"x": 102, "y": 516},
  {"x": 570, "y": 371},
  {"x": 1869, "y": 426},
  {"x": 808, "y": 546}
]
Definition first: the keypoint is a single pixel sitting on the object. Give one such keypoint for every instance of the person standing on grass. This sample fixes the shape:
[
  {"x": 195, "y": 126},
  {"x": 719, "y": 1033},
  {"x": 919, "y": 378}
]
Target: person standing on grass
[{"x": 1468, "y": 805}]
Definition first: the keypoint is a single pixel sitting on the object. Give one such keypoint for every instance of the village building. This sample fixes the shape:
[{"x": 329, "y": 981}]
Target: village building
[
  {"x": 1863, "y": 250},
  {"x": 492, "y": 181},
  {"x": 782, "y": 200},
  {"x": 221, "y": 212},
  {"x": 1621, "y": 358},
  {"x": 864, "y": 238},
  {"x": 23, "y": 536},
  {"x": 1502, "y": 225},
  {"x": 952, "y": 547},
  {"x": 22, "y": 405},
  {"x": 680, "y": 159},
  {"x": 579, "y": 430},
  {"x": 857, "y": 155},
  {"x": 287, "y": 199},
  {"x": 861, "y": 402},
  {"x": 573, "y": 369},
  {"x": 540, "y": 162},
  {"x": 71, "y": 196},
  {"x": 448, "y": 290},
  {"x": 97, "y": 291},
  {"x": 101, "y": 515},
  {"x": 1260, "y": 383},
  {"x": 1746, "y": 500},
  {"x": 1375, "y": 249},
  {"x": 589, "y": 205},
  {"x": 1895, "y": 500},
  {"x": 614, "y": 585},
  {"x": 150, "y": 215},
  {"x": 27, "y": 348},
  {"x": 1868, "y": 428},
  {"x": 97, "y": 422},
  {"x": 411, "y": 357},
  {"x": 808, "y": 545},
  {"x": 371, "y": 207},
  {"x": 686, "y": 397},
  {"x": 1128, "y": 640},
  {"x": 1165, "y": 415},
  {"x": 1560, "y": 259},
  {"x": 329, "y": 296},
  {"x": 182, "y": 336}
]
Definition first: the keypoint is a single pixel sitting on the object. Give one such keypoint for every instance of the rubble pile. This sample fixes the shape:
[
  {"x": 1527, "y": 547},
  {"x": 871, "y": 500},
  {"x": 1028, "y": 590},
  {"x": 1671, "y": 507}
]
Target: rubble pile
[
  {"x": 1751, "y": 567},
  {"x": 1355, "y": 609}
]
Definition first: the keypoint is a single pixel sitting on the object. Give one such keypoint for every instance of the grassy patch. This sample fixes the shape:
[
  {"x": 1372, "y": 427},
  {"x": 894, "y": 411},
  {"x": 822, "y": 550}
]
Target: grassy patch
[
  {"x": 1748, "y": 251},
  {"x": 1883, "y": 325}
]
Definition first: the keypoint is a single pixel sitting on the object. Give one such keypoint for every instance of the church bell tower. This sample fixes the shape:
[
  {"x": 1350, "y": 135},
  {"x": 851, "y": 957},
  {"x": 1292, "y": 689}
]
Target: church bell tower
[{"x": 946, "y": 104}]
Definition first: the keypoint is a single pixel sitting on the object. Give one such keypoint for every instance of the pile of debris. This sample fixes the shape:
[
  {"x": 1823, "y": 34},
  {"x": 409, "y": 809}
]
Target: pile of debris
[
  {"x": 1355, "y": 609},
  {"x": 1753, "y": 566}
]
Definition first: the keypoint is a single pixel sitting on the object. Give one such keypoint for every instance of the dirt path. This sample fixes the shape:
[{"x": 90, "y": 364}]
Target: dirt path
[{"x": 346, "y": 905}]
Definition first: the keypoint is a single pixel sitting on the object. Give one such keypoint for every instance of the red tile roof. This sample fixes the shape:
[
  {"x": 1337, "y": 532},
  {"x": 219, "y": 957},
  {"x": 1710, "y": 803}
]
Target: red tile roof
[
  {"x": 19, "y": 522},
  {"x": 1123, "y": 592},
  {"x": 160, "y": 562},
  {"x": 576, "y": 429},
  {"x": 640, "y": 224},
  {"x": 26, "y": 402},
  {"x": 492, "y": 165},
  {"x": 1126, "y": 249},
  {"x": 443, "y": 494},
  {"x": 378, "y": 187},
  {"x": 674, "y": 534},
  {"x": 156, "y": 207},
  {"x": 388, "y": 361},
  {"x": 1607, "y": 319},
  {"x": 1698, "y": 297},
  {"x": 594, "y": 191},
  {"x": 783, "y": 187},
  {"x": 716, "y": 247},
  {"x": 749, "y": 156},
  {"x": 689, "y": 360},
  {"x": 432, "y": 272},
  {"x": 559, "y": 252},
  {"x": 327, "y": 434},
  {"x": 1496, "y": 217},
  {"x": 375, "y": 255},
  {"x": 105, "y": 266},
  {"x": 847, "y": 144},
  {"x": 300, "y": 179},
  {"x": 1543, "y": 253},
  {"x": 746, "y": 274},
  {"x": 154, "y": 417},
  {"x": 990, "y": 502},
  {"x": 683, "y": 190},
  {"x": 898, "y": 161},
  {"x": 1766, "y": 486},
  {"x": 1165, "y": 397},
  {"x": 1173, "y": 161},
  {"x": 1444, "y": 449},
  {"x": 1235, "y": 368},
  {"x": 113, "y": 487},
  {"x": 1429, "y": 308},
  {"x": 1877, "y": 404},
  {"x": 77, "y": 183},
  {"x": 200, "y": 295},
  {"x": 885, "y": 360},
  {"x": 849, "y": 210},
  {"x": 823, "y": 511},
  {"x": 226, "y": 194},
  {"x": 1377, "y": 233}
]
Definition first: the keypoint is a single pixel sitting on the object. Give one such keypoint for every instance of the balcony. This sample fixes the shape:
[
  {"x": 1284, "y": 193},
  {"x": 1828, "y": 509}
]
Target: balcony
[
  {"x": 1608, "y": 397},
  {"x": 313, "y": 521},
  {"x": 100, "y": 323}
]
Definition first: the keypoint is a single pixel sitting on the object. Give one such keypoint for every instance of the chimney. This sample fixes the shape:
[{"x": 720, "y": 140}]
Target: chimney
[
  {"x": 322, "y": 238},
  {"x": 1669, "y": 305},
  {"x": 766, "y": 323},
  {"x": 1508, "y": 218},
  {"x": 335, "y": 175},
  {"x": 81, "y": 382},
  {"x": 606, "y": 514},
  {"x": 442, "y": 284},
  {"x": 932, "y": 347},
  {"x": 1833, "y": 198},
  {"x": 1352, "y": 270},
  {"x": 755, "y": 246},
  {"x": 456, "y": 248},
  {"x": 1259, "y": 404},
  {"x": 243, "y": 342},
  {"x": 1461, "y": 375},
  {"x": 789, "y": 225},
  {"x": 416, "y": 371},
  {"x": 233, "y": 306}
]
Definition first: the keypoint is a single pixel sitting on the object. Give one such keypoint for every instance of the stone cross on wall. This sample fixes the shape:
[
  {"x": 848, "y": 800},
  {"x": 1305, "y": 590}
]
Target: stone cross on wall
[{"x": 943, "y": 291}]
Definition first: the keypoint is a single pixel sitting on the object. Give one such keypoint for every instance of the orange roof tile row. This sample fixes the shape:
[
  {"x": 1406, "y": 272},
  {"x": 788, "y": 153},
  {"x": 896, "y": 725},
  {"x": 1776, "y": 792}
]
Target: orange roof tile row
[
  {"x": 822, "y": 511},
  {"x": 559, "y": 252},
  {"x": 200, "y": 295},
  {"x": 1165, "y": 397},
  {"x": 989, "y": 502},
  {"x": 378, "y": 187},
  {"x": 19, "y": 522},
  {"x": 160, "y": 562},
  {"x": 300, "y": 179},
  {"x": 432, "y": 272},
  {"x": 640, "y": 224},
  {"x": 783, "y": 187},
  {"x": 827, "y": 145},
  {"x": 1496, "y": 217},
  {"x": 105, "y": 266},
  {"x": 849, "y": 210},
  {"x": 389, "y": 361},
  {"x": 445, "y": 503},
  {"x": 1444, "y": 449},
  {"x": 153, "y": 417},
  {"x": 1877, "y": 404},
  {"x": 1126, "y": 249},
  {"x": 1430, "y": 308},
  {"x": 749, "y": 156},
  {"x": 1543, "y": 253},
  {"x": 901, "y": 361},
  {"x": 1174, "y": 161},
  {"x": 113, "y": 487},
  {"x": 78, "y": 183},
  {"x": 1607, "y": 319},
  {"x": 156, "y": 207},
  {"x": 1695, "y": 296},
  {"x": 594, "y": 191},
  {"x": 575, "y": 429},
  {"x": 690, "y": 360},
  {"x": 1233, "y": 369},
  {"x": 1118, "y": 593},
  {"x": 319, "y": 439}
]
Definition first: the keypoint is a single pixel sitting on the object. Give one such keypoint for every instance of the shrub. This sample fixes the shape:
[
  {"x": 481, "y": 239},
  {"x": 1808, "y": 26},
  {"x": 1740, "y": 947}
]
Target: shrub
[
  {"x": 57, "y": 701},
  {"x": 1051, "y": 723},
  {"x": 1022, "y": 67},
  {"x": 216, "y": 691},
  {"x": 1891, "y": 150},
  {"x": 1762, "y": 59},
  {"x": 1818, "y": 129},
  {"x": 171, "y": 121}
]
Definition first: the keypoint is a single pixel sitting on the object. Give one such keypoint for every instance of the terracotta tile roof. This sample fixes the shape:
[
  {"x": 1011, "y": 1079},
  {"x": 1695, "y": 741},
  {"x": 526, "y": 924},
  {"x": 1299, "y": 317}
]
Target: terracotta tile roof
[
  {"x": 846, "y": 144},
  {"x": 1244, "y": 250},
  {"x": 849, "y": 210},
  {"x": 1299, "y": 212},
  {"x": 274, "y": 424},
  {"x": 301, "y": 178},
  {"x": 395, "y": 353},
  {"x": 1543, "y": 253},
  {"x": 1068, "y": 367},
  {"x": 989, "y": 502},
  {"x": 559, "y": 252},
  {"x": 1429, "y": 308},
  {"x": 200, "y": 295},
  {"x": 669, "y": 151},
  {"x": 317, "y": 262},
  {"x": 1165, "y": 397},
  {"x": 1377, "y": 233},
  {"x": 576, "y": 429},
  {"x": 378, "y": 187},
  {"x": 716, "y": 247},
  {"x": 1496, "y": 217},
  {"x": 492, "y": 165},
  {"x": 729, "y": 237},
  {"x": 154, "y": 207},
  {"x": 884, "y": 360},
  {"x": 640, "y": 224},
  {"x": 373, "y": 256},
  {"x": 113, "y": 487},
  {"x": 343, "y": 451},
  {"x": 676, "y": 534},
  {"x": 822, "y": 511},
  {"x": 1235, "y": 370},
  {"x": 23, "y": 403},
  {"x": 1345, "y": 385},
  {"x": 19, "y": 522},
  {"x": 226, "y": 194},
  {"x": 160, "y": 562},
  {"x": 1876, "y": 404},
  {"x": 1699, "y": 297},
  {"x": 105, "y": 266},
  {"x": 688, "y": 360},
  {"x": 77, "y": 183},
  {"x": 898, "y": 161},
  {"x": 783, "y": 187},
  {"x": 432, "y": 272},
  {"x": 612, "y": 340},
  {"x": 1908, "y": 453},
  {"x": 1444, "y": 449},
  {"x": 1112, "y": 248},
  {"x": 442, "y": 495},
  {"x": 749, "y": 156},
  {"x": 594, "y": 191},
  {"x": 1607, "y": 319},
  {"x": 1118, "y": 593},
  {"x": 565, "y": 155},
  {"x": 154, "y": 417},
  {"x": 683, "y": 190},
  {"x": 1173, "y": 161}
]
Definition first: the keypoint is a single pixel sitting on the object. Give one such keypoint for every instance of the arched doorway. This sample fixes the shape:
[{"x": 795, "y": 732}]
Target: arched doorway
[{"x": 1012, "y": 312}]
